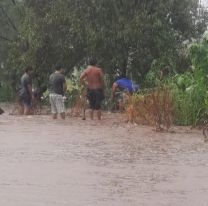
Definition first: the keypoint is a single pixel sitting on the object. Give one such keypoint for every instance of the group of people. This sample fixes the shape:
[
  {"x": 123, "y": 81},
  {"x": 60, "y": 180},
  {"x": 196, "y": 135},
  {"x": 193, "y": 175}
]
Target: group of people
[{"x": 92, "y": 78}]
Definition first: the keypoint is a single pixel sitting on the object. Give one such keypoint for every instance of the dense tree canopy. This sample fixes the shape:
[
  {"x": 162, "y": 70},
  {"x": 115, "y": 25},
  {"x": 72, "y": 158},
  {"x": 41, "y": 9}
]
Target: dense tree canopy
[
  {"x": 119, "y": 33},
  {"x": 10, "y": 20}
]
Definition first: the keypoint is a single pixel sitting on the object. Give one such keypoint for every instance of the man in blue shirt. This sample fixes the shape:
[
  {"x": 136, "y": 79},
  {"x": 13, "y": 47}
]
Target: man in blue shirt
[{"x": 125, "y": 85}]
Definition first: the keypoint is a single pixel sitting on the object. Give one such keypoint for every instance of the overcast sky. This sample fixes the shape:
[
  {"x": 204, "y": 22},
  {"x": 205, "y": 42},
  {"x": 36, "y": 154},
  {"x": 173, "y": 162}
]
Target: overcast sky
[{"x": 205, "y": 2}]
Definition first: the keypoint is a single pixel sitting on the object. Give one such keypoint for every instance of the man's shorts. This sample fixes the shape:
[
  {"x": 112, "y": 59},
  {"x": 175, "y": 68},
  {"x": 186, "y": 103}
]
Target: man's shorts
[
  {"x": 57, "y": 103},
  {"x": 95, "y": 97},
  {"x": 26, "y": 101}
]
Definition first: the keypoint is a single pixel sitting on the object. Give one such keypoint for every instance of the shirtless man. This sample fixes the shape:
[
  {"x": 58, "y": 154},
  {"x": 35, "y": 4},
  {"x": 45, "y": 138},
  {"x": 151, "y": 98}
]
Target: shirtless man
[{"x": 95, "y": 87}]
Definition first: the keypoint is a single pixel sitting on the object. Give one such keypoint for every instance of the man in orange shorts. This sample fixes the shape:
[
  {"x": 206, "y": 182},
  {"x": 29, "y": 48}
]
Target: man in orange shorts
[{"x": 95, "y": 87}]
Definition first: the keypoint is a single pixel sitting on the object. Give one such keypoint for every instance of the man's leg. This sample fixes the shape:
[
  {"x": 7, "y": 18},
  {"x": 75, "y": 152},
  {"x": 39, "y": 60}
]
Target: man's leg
[
  {"x": 20, "y": 106},
  {"x": 26, "y": 110},
  {"x": 120, "y": 105},
  {"x": 98, "y": 102},
  {"x": 99, "y": 114},
  {"x": 21, "y": 109},
  {"x": 54, "y": 116},
  {"x": 53, "y": 106},
  {"x": 92, "y": 101},
  {"x": 63, "y": 116},
  {"x": 1, "y": 111},
  {"x": 91, "y": 114},
  {"x": 60, "y": 106},
  {"x": 27, "y": 106}
]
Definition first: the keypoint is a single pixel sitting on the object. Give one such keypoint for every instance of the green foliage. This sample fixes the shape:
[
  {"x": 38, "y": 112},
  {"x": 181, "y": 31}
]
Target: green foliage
[
  {"x": 6, "y": 93},
  {"x": 141, "y": 37},
  {"x": 189, "y": 93},
  {"x": 123, "y": 34},
  {"x": 10, "y": 19},
  {"x": 190, "y": 89},
  {"x": 74, "y": 89}
]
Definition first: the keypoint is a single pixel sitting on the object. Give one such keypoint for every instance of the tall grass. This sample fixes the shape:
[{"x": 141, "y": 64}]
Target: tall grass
[{"x": 153, "y": 107}]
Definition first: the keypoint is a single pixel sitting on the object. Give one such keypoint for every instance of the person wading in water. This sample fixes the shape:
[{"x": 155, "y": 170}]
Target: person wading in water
[
  {"x": 95, "y": 87},
  {"x": 57, "y": 88},
  {"x": 25, "y": 93}
]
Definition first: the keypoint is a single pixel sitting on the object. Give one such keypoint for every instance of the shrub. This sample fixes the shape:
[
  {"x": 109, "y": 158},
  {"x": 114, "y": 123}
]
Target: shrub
[
  {"x": 6, "y": 93},
  {"x": 153, "y": 107}
]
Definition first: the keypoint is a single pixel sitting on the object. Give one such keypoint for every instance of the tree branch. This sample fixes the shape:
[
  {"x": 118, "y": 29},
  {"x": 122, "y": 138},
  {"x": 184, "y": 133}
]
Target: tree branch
[
  {"x": 9, "y": 19},
  {"x": 5, "y": 39},
  {"x": 14, "y": 2}
]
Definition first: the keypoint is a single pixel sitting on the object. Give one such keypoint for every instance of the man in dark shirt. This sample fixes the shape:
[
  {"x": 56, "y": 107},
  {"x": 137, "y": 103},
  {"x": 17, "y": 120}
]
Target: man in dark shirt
[
  {"x": 57, "y": 87},
  {"x": 25, "y": 93}
]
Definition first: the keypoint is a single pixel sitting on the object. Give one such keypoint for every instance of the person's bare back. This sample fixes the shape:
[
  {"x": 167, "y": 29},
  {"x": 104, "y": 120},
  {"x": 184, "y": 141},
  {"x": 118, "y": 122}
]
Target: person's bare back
[
  {"x": 94, "y": 77},
  {"x": 95, "y": 87}
]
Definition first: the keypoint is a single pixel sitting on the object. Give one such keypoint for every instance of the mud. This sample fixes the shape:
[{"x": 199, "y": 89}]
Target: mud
[{"x": 111, "y": 163}]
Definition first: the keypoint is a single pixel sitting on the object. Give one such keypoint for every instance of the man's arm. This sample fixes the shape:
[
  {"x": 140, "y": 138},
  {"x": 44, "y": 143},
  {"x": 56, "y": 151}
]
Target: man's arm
[
  {"x": 82, "y": 77},
  {"x": 64, "y": 83},
  {"x": 29, "y": 87}
]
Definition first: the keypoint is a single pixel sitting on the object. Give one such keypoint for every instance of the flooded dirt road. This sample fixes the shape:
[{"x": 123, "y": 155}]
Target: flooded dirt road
[{"x": 84, "y": 163}]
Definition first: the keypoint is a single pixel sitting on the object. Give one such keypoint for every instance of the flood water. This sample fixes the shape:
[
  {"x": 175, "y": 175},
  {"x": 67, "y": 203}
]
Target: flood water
[{"x": 85, "y": 163}]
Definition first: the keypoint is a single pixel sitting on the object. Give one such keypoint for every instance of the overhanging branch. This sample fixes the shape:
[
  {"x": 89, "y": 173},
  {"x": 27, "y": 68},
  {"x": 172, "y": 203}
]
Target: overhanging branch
[
  {"x": 9, "y": 19},
  {"x": 14, "y": 2},
  {"x": 5, "y": 39}
]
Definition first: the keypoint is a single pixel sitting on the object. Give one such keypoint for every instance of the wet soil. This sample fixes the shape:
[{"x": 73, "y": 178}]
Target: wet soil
[{"x": 108, "y": 163}]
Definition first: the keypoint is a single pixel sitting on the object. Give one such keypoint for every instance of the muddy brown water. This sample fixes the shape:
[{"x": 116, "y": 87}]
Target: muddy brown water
[{"x": 85, "y": 163}]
